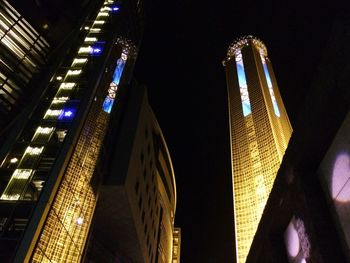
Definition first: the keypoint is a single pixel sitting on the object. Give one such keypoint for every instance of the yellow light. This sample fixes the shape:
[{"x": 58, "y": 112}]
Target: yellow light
[
  {"x": 58, "y": 100},
  {"x": 79, "y": 61},
  {"x": 102, "y": 14},
  {"x": 105, "y": 8},
  {"x": 34, "y": 150},
  {"x": 85, "y": 50},
  {"x": 16, "y": 184},
  {"x": 67, "y": 85},
  {"x": 99, "y": 22},
  {"x": 14, "y": 160},
  {"x": 44, "y": 130},
  {"x": 52, "y": 113},
  {"x": 90, "y": 39},
  {"x": 74, "y": 72},
  {"x": 95, "y": 29},
  {"x": 59, "y": 78}
]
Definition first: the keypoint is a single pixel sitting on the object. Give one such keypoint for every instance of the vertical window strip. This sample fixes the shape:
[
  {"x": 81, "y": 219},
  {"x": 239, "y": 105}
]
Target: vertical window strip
[
  {"x": 242, "y": 82},
  {"x": 269, "y": 84}
]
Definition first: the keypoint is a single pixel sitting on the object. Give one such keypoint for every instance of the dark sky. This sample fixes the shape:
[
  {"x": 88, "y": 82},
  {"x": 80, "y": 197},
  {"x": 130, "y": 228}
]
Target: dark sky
[{"x": 180, "y": 62}]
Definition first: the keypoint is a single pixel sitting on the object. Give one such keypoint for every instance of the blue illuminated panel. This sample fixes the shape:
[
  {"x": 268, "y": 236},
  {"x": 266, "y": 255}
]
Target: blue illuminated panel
[
  {"x": 115, "y": 9},
  {"x": 269, "y": 84},
  {"x": 242, "y": 81},
  {"x": 67, "y": 113},
  {"x": 97, "y": 48},
  {"x": 113, "y": 86},
  {"x": 107, "y": 104},
  {"x": 118, "y": 71}
]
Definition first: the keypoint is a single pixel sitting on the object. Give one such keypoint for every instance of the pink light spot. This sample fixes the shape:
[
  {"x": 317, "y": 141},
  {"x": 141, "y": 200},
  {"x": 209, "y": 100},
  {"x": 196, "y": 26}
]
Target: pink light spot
[
  {"x": 341, "y": 178},
  {"x": 291, "y": 240}
]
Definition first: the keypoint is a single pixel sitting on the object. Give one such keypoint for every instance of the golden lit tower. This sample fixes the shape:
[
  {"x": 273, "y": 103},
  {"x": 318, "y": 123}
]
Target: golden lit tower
[{"x": 260, "y": 131}]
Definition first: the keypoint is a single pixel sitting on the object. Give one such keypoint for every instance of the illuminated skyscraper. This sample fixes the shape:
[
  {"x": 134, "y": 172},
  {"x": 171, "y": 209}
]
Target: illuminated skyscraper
[
  {"x": 49, "y": 176},
  {"x": 260, "y": 131}
]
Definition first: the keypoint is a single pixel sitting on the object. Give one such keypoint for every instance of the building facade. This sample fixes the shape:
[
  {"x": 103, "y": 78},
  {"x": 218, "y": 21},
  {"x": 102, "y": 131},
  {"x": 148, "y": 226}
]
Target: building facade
[
  {"x": 49, "y": 179},
  {"x": 260, "y": 131},
  {"x": 22, "y": 51},
  {"x": 138, "y": 192},
  {"x": 306, "y": 218}
]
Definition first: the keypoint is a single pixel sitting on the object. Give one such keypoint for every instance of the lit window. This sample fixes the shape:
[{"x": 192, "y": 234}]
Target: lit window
[
  {"x": 67, "y": 85},
  {"x": 34, "y": 150},
  {"x": 85, "y": 50},
  {"x": 17, "y": 184},
  {"x": 269, "y": 84},
  {"x": 109, "y": 100},
  {"x": 50, "y": 113},
  {"x": 95, "y": 30},
  {"x": 58, "y": 100},
  {"x": 105, "y": 8},
  {"x": 79, "y": 61},
  {"x": 102, "y": 14},
  {"x": 74, "y": 72},
  {"x": 242, "y": 82},
  {"x": 90, "y": 39},
  {"x": 44, "y": 130}
]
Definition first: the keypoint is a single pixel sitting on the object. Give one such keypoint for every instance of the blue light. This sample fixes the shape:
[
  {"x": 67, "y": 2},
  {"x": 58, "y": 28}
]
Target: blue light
[
  {"x": 67, "y": 114},
  {"x": 269, "y": 84},
  {"x": 118, "y": 71},
  {"x": 115, "y": 9},
  {"x": 108, "y": 104},
  {"x": 97, "y": 48},
  {"x": 113, "y": 87},
  {"x": 242, "y": 82}
]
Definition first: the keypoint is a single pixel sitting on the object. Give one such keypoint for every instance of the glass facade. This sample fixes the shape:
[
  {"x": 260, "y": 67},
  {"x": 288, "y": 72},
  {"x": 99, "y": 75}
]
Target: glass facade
[
  {"x": 22, "y": 51},
  {"x": 269, "y": 84},
  {"x": 54, "y": 158},
  {"x": 242, "y": 82},
  {"x": 259, "y": 135}
]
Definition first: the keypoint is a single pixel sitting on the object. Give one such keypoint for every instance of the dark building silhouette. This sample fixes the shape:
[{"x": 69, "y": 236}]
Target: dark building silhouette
[{"x": 306, "y": 218}]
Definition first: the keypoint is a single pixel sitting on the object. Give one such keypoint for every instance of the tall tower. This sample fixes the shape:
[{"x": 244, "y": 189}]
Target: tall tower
[
  {"x": 49, "y": 176},
  {"x": 260, "y": 131}
]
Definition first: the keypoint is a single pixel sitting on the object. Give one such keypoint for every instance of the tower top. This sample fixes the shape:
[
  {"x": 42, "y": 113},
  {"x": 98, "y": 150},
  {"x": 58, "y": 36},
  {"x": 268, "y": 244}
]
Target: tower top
[{"x": 241, "y": 42}]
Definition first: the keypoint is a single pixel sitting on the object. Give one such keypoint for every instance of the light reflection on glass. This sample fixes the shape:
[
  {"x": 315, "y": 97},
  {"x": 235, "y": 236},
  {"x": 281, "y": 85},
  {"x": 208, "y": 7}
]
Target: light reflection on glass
[
  {"x": 242, "y": 81},
  {"x": 341, "y": 178},
  {"x": 269, "y": 84}
]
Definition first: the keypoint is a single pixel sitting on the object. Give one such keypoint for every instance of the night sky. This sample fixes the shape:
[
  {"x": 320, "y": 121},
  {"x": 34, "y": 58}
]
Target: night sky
[{"x": 180, "y": 62}]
